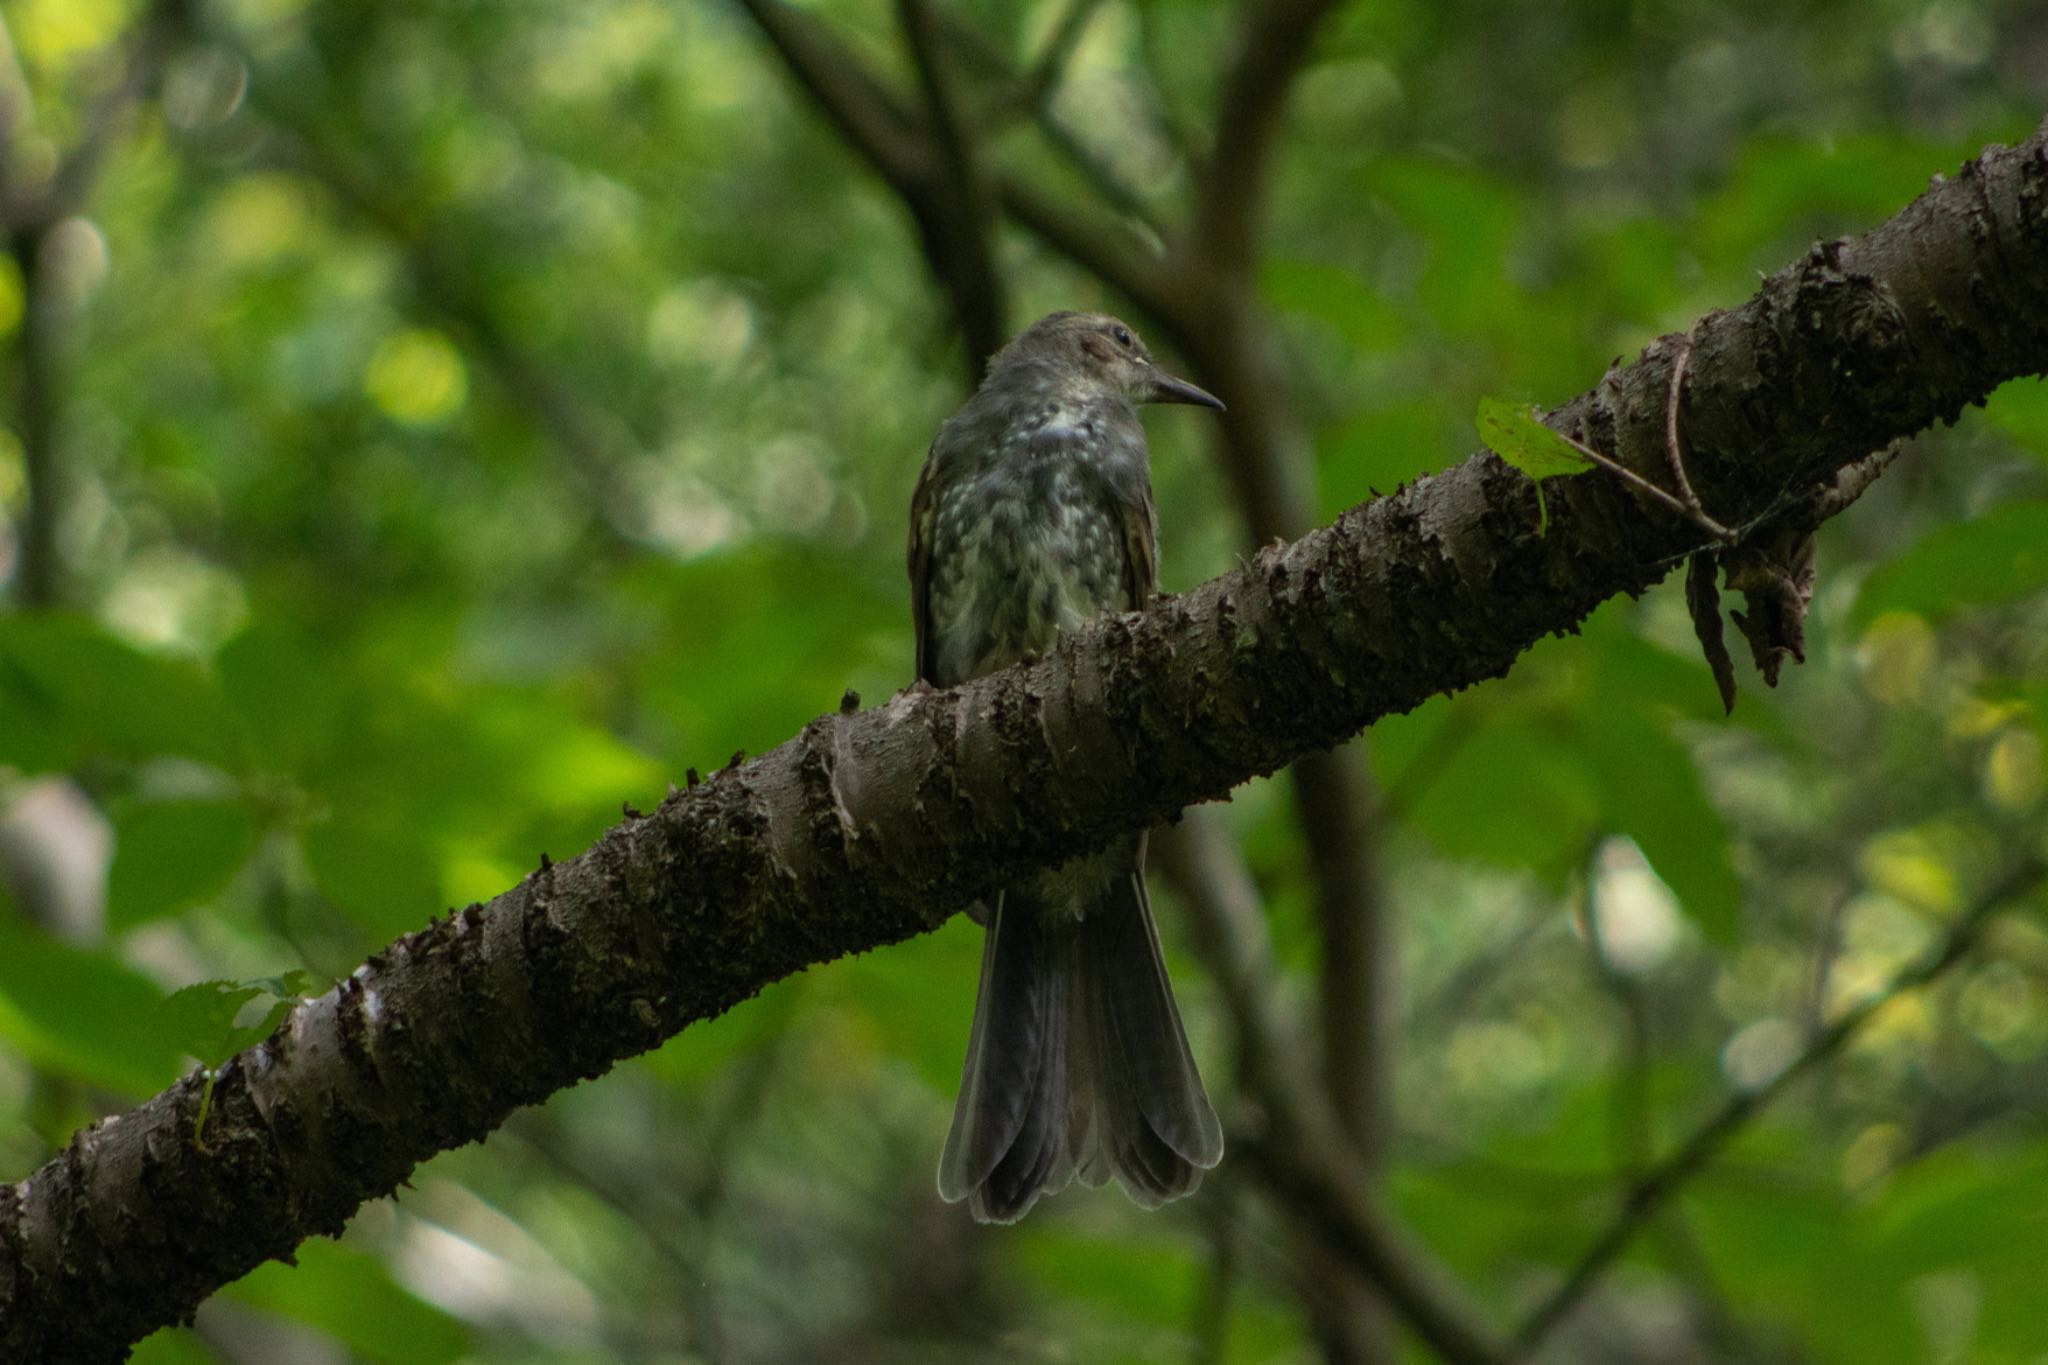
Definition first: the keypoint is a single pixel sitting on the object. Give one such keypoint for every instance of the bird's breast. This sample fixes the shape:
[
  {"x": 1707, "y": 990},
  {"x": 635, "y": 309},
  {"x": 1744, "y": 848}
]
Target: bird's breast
[{"x": 1023, "y": 550}]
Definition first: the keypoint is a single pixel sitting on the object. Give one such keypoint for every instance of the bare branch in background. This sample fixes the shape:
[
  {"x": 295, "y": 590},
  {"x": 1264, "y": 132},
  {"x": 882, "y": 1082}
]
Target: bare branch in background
[
  {"x": 1648, "y": 1196},
  {"x": 1034, "y": 92},
  {"x": 1044, "y": 77},
  {"x": 33, "y": 210},
  {"x": 953, "y": 203},
  {"x": 1222, "y": 1224},
  {"x": 1297, "y": 1150},
  {"x": 591, "y": 451},
  {"x": 37, "y": 204},
  {"x": 1267, "y": 460},
  {"x": 931, "y": 162},
  {"x": 38, "y": 576},
  {"x": 1630, "y": 1120},
  {"x": 1273, "y": 47},
  {"x": 865, "y": 111}
]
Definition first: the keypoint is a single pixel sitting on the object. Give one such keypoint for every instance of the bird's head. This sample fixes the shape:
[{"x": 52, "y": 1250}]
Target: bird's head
[{"x": 1095, "y": 351}]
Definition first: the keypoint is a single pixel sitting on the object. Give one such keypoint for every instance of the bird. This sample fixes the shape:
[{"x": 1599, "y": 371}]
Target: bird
[{"x": 1031, "y": 516}]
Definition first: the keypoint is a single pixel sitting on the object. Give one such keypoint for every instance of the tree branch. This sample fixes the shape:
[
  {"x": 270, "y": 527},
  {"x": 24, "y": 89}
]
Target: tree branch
[
  {"x": 590, "y": 448},
  {"x": 953, "y": 204},
  {"x": 877, "y": 125},
  {"x": 1656, "y": 1187},
  {"x": 1267, "y": 461},
  {"x": 931, "y": 164},
  {"x": 1272, "y": 49},
  {"x": 1044, "y": 78},
  {"x": 35, "y": 206},
  {"x": 39, "y": 574},
  {"x": 1298, "y": 1150},
  {"x": 31, "y": 211},
  {"x": 865, "y": 111},
  {"x": 872, "y": 826},
  {"x": 1033, "y": 92}
]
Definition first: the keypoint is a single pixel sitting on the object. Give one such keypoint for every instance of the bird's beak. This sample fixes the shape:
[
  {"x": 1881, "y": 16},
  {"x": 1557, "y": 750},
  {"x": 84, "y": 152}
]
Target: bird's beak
[{"x": 1167, "y": 389}]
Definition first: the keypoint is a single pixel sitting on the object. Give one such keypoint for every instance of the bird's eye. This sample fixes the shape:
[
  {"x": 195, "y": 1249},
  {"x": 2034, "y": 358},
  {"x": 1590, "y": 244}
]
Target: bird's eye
[{"x": 1123, "y": 337}]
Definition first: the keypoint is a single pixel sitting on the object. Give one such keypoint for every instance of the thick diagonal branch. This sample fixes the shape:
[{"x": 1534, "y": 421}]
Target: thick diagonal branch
[{"x": 871, "y": 826}]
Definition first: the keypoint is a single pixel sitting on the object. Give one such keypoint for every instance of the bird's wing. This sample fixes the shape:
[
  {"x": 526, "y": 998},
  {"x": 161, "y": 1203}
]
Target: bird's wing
[
  {"x": 921, "y": 564},
  {"x": 1141, "y": 555}
]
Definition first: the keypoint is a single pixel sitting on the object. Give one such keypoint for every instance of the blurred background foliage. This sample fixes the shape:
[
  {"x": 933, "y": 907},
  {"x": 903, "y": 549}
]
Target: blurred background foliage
[{"x": 470, "y": 416}]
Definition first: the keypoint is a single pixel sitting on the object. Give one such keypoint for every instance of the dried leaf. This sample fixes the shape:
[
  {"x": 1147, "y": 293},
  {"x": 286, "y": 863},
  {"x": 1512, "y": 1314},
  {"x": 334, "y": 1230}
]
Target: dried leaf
[
  {"x": 1776, "y": 581},
  {"x": 1703, "y": 598}
]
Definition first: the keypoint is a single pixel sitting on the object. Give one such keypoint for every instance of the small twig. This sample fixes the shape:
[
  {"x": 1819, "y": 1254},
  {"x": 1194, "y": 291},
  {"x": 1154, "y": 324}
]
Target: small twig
[
  {"x": 1661, "y": 1183},
  {"x": 1104, "y": 247},
  {"x": 31, "y": 210},
  {"x": 1033, "y": 94},
  {"x": 39, "y": 578},
  {"x": 1044, "y": 79},
  {"x": 868, "y": 114},
  {"x": 1671, "y": 451},
  {"x": 1694, "y": 513},
  {"x": 36, "y": 207},
  {"x": 1477, "y": 972},
  {"x": 1211, "y": 1327}
]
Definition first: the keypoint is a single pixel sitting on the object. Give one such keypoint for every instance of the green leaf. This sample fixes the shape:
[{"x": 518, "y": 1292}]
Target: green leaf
[
  {"x": 388, "y": 879},
  {"x": 200, "y": 1018},
  {"x": 1490, "y": 781},
  {"x": 80, "y": 1012},
  {"x": 69, "y": 691},
  {"x": 172, "y": 854},
  {"x": 2020, "y": 409},
  {"x": 172, "y": 1346},
  {"x": 1512, "y": 432},
  {"x": 351, "y": 1297},
  {"x": 1652, "y": 792},
  {"x": 1999, "y": 556},
  {"x": 288, "y": 692},
  {"x": 1357, "y": 313}
]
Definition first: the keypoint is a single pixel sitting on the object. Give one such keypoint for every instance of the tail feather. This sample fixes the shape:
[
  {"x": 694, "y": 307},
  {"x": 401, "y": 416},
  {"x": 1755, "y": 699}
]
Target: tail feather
[
  {"x": 1077, "y": 1063},
  {"x": 1158, "y": 1069},
  {"x": 1033, "y": 1163},
  {"x": 998, "y": 1143}
]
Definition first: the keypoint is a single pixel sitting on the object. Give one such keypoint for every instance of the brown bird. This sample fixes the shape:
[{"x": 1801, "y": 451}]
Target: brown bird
[{"x": 1033, "y": 514}]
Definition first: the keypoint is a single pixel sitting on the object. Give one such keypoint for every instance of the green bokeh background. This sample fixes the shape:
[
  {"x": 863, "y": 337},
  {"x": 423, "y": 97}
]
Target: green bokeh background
[{"x": 476, "y": 415}]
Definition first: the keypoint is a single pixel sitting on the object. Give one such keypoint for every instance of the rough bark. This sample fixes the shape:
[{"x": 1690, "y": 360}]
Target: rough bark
[{"x": 874, "y": 825}]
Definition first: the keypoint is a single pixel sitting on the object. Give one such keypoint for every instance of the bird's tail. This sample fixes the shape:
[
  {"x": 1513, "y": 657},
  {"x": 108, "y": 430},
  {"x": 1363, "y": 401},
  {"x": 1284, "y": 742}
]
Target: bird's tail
[{"x": 1077, "y": 1063}]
